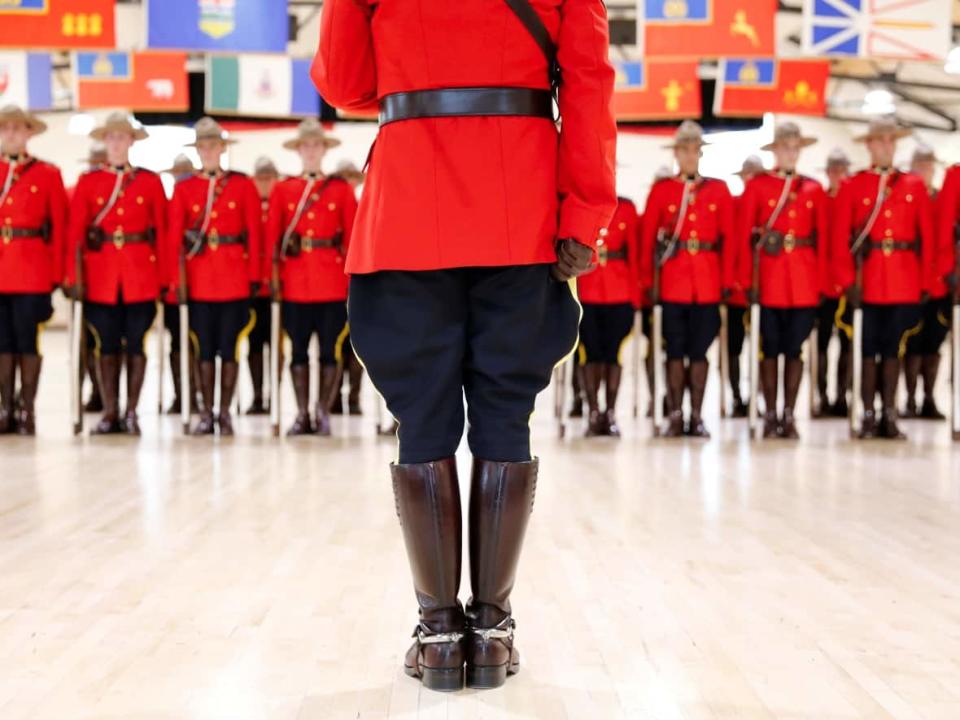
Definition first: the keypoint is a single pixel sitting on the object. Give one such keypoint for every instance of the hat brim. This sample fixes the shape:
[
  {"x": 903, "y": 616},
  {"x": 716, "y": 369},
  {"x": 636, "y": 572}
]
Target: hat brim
[
  {"x": 225, "y": 141},
  {"x": 674, "y": 145},
  {"x": 804, "y": 142},
  {"x": 898, "y": 134},
  {"x": 179, "y": 171},
  {"x": 34, "y": 124},
  {"x": 741, "y": 173},
  {"x": 100, "y": 133},
  {"x": 330, "y": 142}
]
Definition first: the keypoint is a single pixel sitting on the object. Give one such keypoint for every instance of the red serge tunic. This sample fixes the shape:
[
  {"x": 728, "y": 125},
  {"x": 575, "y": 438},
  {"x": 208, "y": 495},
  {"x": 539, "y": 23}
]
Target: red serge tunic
[
  {"x": 35, "y": 201},
  {"x": 316, "y": 274},
  {"x": 947, "y": 216},
  {"x": 616, "y": 277},
  {"x": 697, "y": 272},
  {"x": 473, "y": 191},
  {"x": 797, "y": 275}
]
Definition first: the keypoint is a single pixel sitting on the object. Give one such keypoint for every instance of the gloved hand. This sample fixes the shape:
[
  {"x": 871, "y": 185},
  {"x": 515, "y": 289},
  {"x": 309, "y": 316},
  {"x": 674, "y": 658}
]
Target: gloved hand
[
  {"x": 573, "y": 260},
  {"x": 71, "y": 292},
  {"x": 854, "y": 296}
]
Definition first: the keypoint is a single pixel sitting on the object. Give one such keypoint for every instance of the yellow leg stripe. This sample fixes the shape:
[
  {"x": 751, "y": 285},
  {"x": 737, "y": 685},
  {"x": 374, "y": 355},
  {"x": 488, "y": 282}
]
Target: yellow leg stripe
[
  {"x": 942, "y": 319},
  {"x": 247, "y": 329},
  {"x": 623, "y": 344},
  {"x": 838, "y": 319},
  {"x": 194, "y": 342},
  {"x": 40, "y": 328},
  {"x": 96, "y": 339},
  {"x": 338, "y": 345},
  {"x": 572, "y": 285},
  {"x": 581, "y": 354},
  {"x": 905, "y": 338}
]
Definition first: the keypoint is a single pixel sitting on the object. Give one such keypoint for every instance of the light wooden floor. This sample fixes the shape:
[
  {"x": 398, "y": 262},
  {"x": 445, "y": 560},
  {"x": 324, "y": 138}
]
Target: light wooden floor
[{"x": 172, "y": 578}]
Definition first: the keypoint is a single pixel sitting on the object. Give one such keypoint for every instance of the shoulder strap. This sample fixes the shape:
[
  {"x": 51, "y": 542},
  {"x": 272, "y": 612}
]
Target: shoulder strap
[
  {"x": 14, "y": 175},
  {"x": 882, "y": 188},
  {"x": 119, "y": 186},
  {"x": 538, "y": 31},
  {"x": 302, "y": 207}
]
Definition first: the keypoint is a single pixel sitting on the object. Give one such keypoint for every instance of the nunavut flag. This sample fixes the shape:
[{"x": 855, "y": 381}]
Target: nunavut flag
[
  {"x": 653, "y": 90},
  {"x": 147, "y": 81},
  {"x": 747, "y": 87},
  {"x": 64, "y": 24},
  {"x": 706, "y": 28}
]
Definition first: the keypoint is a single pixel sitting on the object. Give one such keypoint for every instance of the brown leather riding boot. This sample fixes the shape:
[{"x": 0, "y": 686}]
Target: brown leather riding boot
[
  {"x": 911, "y": 372},
  {"x": 255, "y": 365},
  {"x": 676, "y": 383},
  {"x": 770, "y": 386},
  {"x": 699, "y": 371},
  {"x": 824, "y": 404},
  {"x": 136, "y": 370},
  {"x": 427, "y": 498},
  {"x": 868, "y": 394},
  {"x": 29, "y": 381},
  {"x": 7, "y": 373},
  {"x": 576, "y": 385},
  {"x": 841, "y": 407},
  {"x": 930, "y": 370},
  {"x": 108, "y": 368},
  {"x": 501, "y": 500},
  {"x": 95, "y": 401},
  {"x": 174, "y": 408},
  {"x": 330, "y": 376},
  {"x": 888, "y": 390},
  {"x": 792, "y": 375},
  {"x": 300, "y": 374},
  {"x": 593, "y": 374},
  {"x": 740, "y": 407},
  {"x": 613, "y": 375},
  {"x": 229, "y": 372},
  {"x": 355, "y": 376},
  {"x": 208, "y": 376}
]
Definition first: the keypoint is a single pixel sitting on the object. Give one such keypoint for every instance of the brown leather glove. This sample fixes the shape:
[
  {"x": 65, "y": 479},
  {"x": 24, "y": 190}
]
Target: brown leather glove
[{"x": 573, "y": 260}]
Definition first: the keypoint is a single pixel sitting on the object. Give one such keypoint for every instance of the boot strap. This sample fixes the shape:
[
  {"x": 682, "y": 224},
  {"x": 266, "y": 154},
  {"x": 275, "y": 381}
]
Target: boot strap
[
  {"x": 503, "y": 631},
  {"x": 424, "y": 636}
]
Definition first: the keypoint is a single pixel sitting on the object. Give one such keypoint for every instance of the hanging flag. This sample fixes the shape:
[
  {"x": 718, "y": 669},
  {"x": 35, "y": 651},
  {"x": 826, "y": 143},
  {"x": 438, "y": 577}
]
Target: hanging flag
[
  {"x": 227, "y": 25},
  {"x": 901, "y": 29},
  {"x": 25, "y": 80},
  {"x": 261, "y": 86},
  {"x": 651, "y": 90},
  {"x": 64, "y": 24},
  {"x": 706, "y": 28},
  {"x": 749, "y": 87},
  {"x": 146, "y": 81}
]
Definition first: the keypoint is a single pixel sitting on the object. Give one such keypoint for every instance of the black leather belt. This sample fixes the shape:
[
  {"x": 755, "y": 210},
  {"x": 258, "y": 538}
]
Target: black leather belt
[
  {"x": 696, "y": 246},
  {"x": 466, "y": 102},
  {"x": 889, "y": 246},
  {"x": 8, "y": 233},
  {"x": 616, "y": 255},
  {"x": 309, "y": 244}
]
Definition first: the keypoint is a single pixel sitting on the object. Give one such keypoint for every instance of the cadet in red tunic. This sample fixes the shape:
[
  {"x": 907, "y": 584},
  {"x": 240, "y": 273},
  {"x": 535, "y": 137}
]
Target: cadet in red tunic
[
  {"x": 688, "y": 221},
  {"x": 475, "y": 205},
  {"x": 738, "y": 310},
  {"x": 891, "y": 211},
  {"x": 118, "y": 219},
  {"x": 182, "y": 169},
  {"x": 830, "y": 319},
  {"x": 922, "y": 358},
  {"x": 32, "y": 228},
  {"x": 610, "y": 296},
  {"x": 265, "y": 177},
  {"x": 784, "y": 217},
  {"x": 215, "y": 221},
  {"x": 308, "y": 233}
]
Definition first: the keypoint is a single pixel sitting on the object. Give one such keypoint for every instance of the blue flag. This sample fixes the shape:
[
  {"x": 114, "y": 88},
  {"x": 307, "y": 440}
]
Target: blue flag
[{"x": 226, "y": 25}]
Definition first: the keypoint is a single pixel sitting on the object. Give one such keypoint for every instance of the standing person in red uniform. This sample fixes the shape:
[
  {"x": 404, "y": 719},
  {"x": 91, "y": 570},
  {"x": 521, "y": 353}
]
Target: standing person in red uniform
[
  {"x": 181, "y": 169},
  {"x": 118, "y": 219},
  {"x": 947, "y": 238},
  {"x": 922, "y": 359},
  {"x": 610, "y": 295},
  {"x": 32, "y": 227},
  {"x": 308, "y": 232},
  {"x": 476, "y": 210},
  {"x": 688, "y": 221},
  {"x": 891, "y": 210},
  {"x": 831, "y": 316},
  {"x": 738, "y": 309},
  {"x": 786, "y": 213},
  {"x": 265, "y": 177},
  {"x": 215, "y": 221}
]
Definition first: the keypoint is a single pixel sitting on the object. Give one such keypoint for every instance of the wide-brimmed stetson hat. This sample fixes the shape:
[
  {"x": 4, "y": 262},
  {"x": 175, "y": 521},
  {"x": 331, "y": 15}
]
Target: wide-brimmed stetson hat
[
  {"x": 310, "y": 129},
  {"x": 119, "y": 122},
  {"x": 925, "y": 153},
  {"x": 837, "y": 158},
  {"x": 689, "y": 133},
  {"x": 752, "y": 165},
  {"x": 789, "y": 131},
  {"x": 182, "y": 165},
  {"x": 13, "y": 113},
  {"x": 264, "y": 166},
  {"x": 209, "y": 129},
  {"x": 885, "y": 125},
  {"x": 348, "y": 171}
]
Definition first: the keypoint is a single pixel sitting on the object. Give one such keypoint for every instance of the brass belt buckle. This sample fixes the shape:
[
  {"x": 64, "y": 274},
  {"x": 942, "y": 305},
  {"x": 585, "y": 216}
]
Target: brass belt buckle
[
  {"x": 789, "y": 243},
  {"x": 118, "y": 238},
  {"x": 887, "y": 247},
  {"x": 6, "y": 232},
  {"x": 603, "y": 254},
  {"x": 307, "y": 245},
  {"x": 693, "y": 246},
  {"x": 213, "y": 240}
]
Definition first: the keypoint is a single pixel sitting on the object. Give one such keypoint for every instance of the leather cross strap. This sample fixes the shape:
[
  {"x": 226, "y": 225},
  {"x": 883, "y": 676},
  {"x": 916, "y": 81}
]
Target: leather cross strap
[
  {"x": 538, "y": 31},
  {"x": 883, "y": 191},
  {"x": 14, "y": 174},
  {"x": 466, "y": 102}
]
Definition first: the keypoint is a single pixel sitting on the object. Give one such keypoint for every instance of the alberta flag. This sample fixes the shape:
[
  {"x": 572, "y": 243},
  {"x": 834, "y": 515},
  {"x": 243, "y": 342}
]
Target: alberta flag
[
  {"x": 25, "y": 80},
  {"x": 901, "y": 29},
  {"x": 261, "y": 86}
]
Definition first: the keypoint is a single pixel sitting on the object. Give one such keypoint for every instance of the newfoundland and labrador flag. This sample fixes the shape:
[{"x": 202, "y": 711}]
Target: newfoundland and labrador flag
[
  {"x": 261, "y": 86},
  {"x": 902, "y": 29}
]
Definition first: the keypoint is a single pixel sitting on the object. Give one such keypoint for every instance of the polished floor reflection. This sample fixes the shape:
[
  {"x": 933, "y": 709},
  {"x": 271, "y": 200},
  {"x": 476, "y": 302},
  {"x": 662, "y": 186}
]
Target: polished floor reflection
[{"x": 173, "y": 578}]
